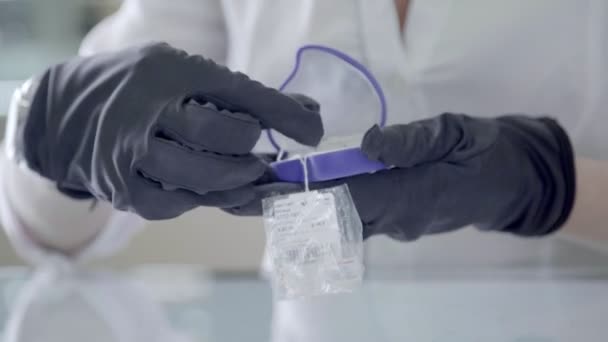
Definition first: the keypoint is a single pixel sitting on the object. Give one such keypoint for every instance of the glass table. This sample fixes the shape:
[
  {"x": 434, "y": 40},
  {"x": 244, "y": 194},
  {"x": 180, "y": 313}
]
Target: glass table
[{"x": 186, "y": 303}]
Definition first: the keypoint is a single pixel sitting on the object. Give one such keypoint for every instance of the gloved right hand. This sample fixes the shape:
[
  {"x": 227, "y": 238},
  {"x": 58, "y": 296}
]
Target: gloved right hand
[
  {"x": 156, "y": 131},
  {"x": 513, "y": 173}
]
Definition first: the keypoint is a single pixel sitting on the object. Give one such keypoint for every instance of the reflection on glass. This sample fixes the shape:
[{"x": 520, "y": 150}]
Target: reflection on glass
[{"x": 94, "y": 306}]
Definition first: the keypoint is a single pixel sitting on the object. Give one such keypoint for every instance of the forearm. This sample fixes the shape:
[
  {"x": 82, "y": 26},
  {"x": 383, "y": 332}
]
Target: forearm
[
  {"x": 48, "y": 218},
  {"x": 589, "y": 217}
]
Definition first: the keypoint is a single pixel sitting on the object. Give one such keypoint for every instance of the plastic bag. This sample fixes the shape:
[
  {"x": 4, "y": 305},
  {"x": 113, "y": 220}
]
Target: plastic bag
[{"x": 314, "y": 243}]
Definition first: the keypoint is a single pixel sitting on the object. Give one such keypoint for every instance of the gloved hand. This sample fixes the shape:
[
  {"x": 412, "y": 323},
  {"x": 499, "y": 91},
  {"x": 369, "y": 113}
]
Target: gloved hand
[
  {"x": 156, "y": 131},
  {"x": 513, "y": 174}
]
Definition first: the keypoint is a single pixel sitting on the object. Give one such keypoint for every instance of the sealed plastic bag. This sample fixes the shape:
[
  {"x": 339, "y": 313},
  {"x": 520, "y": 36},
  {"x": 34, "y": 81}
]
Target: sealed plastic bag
[{"x": 314, "y": 243}]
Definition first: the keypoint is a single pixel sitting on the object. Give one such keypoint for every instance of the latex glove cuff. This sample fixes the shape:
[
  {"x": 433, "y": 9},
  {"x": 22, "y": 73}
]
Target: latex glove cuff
[{"x": 18, "y": 113}]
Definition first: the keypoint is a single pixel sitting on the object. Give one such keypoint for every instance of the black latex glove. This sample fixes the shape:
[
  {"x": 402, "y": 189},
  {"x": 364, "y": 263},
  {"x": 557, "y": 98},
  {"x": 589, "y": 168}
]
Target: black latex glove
[
  {"x": 513, "y": 174},
  {"x": 156, "y": 131}
]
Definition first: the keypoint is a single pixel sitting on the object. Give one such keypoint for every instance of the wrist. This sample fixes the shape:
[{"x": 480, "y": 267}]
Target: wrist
[
  {"x": 566, "y": 160},
  {"x": 26, "y": 141},
  {"x": 18, "y": 114},
  {"x": 550, "y": 182}
]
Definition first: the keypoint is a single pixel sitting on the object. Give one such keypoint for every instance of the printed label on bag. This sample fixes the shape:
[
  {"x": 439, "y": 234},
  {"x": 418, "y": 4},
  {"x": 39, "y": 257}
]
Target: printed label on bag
[
  {"x": 305, "y": 227},
  {"x": 313, "y": 243}
]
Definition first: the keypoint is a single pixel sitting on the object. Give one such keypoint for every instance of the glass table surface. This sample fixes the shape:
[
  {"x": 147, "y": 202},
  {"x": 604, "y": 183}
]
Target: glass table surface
[{"x": 186, "y": 303}]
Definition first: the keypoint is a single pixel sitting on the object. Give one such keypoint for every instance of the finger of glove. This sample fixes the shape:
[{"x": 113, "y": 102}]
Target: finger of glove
[
  {"x": 254, "y": 206},
  {"x": 306, "y": 101},
  {"x": 369, "y": 193},
  {"x": 176, "y": 167},
  {"x": 152, "y": 202},
  {"x": 418, "y": 142},
  {"x": 228, "y": 198},
  {"x": 205, "y": 127},
  {"x": 238, "y": 93},
  {"x": 380, "y": 202}
]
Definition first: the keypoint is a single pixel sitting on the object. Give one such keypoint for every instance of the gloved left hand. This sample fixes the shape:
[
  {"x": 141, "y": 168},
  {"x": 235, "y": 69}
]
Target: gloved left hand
[
  {"x": 513, "y": 174},
  {"x": 156, "y": 131}
]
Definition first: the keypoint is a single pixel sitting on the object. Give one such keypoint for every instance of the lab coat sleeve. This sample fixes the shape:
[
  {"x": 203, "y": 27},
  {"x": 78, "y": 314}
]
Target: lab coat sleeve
[
  {"x": 44, "y": 225},
  {"x": 197, "y": 26}
]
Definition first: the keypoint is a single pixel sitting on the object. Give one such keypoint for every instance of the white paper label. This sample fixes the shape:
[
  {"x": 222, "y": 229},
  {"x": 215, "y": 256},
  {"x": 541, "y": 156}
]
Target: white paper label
[
  {"x": 305, "y": 228},
  {"x": 312, "y": 247}
]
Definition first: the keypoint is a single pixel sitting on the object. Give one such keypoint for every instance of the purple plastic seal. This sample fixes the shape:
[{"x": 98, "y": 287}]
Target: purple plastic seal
[
  {"x": 336, "y": 164},
  {"x": 327, "y": 166}
]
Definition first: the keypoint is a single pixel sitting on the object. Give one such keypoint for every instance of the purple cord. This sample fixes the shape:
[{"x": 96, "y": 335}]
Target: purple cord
[{"x": 348, "y": 59}]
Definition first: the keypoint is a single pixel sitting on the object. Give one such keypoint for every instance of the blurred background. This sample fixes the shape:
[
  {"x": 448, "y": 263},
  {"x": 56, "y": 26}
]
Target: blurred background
[{"x": 37, "y": 33}]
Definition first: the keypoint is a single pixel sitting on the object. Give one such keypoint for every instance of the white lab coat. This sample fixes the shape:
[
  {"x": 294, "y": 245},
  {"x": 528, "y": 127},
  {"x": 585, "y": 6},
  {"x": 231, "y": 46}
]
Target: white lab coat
[{"x": 480, "y": 57}]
